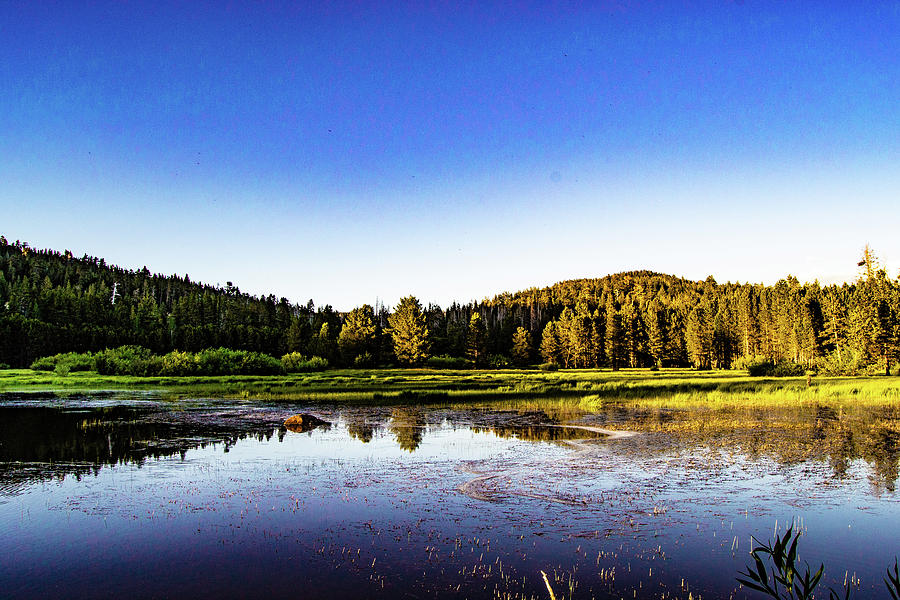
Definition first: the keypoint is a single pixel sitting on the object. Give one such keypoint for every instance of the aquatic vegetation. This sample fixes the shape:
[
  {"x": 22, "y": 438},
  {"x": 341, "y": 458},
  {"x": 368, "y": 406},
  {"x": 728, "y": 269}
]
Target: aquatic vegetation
[
  {"x": 782, "y": 554},
  {"x": 784, "y": 579}
]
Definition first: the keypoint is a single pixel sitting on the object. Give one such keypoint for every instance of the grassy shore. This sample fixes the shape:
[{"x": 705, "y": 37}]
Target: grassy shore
[{"x": 591, "y": 387}]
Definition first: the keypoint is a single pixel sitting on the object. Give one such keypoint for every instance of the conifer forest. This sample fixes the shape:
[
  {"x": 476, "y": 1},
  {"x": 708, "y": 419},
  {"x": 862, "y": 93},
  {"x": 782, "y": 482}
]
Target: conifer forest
[{"x": 53, "y": 302}]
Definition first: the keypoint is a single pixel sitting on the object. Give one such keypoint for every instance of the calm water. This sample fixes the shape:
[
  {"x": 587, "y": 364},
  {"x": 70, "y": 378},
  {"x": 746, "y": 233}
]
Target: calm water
[{"x": 133, "y": 496}]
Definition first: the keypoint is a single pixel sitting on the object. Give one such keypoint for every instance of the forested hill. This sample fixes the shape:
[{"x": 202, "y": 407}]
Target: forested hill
[{"x": 53, "y": 302}]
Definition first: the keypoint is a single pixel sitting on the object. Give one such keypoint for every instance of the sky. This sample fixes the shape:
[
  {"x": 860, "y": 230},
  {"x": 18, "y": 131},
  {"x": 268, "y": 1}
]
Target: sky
[{"x": 352, "y": 151}]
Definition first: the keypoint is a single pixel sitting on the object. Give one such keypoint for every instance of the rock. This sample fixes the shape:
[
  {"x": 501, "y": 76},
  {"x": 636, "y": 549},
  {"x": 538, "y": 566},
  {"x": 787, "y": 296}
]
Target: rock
[{"x": 301, "y": 423}]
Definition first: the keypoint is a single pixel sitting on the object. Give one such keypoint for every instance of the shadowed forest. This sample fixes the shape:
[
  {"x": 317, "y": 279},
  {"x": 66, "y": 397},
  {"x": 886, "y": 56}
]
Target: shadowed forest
[{"x": 52, "y": 302}]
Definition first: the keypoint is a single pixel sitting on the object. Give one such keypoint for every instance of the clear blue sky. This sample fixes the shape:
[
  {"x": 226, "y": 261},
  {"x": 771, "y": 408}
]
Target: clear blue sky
[{"x": 343, "y": 153}]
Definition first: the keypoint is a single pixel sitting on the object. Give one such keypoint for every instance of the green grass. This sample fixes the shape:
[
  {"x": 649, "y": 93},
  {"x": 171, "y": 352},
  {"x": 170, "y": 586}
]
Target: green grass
[{"x": 675, "y": 388}]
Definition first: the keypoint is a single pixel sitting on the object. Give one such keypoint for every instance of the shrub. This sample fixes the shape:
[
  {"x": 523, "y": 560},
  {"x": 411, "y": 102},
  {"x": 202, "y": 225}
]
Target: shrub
[
  {"x": 178, "y": 363},
  {"x": 788, "y": 369},
  {"x": 364, "y": 360},
  {"x": 447, "y": 362},
  {"x": 61, "y": 369},
  {"x": 549, "y": 366},
  {"x": 295, "y": 362},
  {"x": 257, "y": 363},
  {"x": 846, "y": 362},
  {"x": 46, "y": 363},
  {"x": 497, "y": 361},
  {"x": 125, "y": 360},
  {"x": 781, "y": 369},
  {"x": 74, "y": 361},
  {"x": 225, "y": 361},
  {"x": 4, "y": 366}
]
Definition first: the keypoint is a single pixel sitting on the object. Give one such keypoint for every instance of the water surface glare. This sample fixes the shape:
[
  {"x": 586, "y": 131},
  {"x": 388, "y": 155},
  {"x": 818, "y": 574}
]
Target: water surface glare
[{"x": 135, "y": 496}]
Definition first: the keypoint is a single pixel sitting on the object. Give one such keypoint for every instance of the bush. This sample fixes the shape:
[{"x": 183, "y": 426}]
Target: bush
[
  {"x": 224, "y": 361},
  {"x": 295, "y": 362},
  {"x": 74, "y": 361},
  {"x": 178, "y": 363},
  {"x": 257, "y": 363},
  {"x": 788, "y": 369},
  {"x": 364, "y": 360},
  {"x": 549, "y": 366},
  {"x": 497, "y": 361},
  {"x": 125, "y": 360},
  {"x": 447, "y": 362},
  {"x": 4, "y": 366},
  {"x": 781, "y": 369}
]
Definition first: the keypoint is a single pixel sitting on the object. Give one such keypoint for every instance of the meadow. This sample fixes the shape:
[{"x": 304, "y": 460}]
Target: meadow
[{"x": 675, "y": 388}]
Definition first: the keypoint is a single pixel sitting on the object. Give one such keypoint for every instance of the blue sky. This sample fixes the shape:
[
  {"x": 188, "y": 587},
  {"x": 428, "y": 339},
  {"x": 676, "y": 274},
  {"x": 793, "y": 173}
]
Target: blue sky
[{"x": 345, "y": 151}]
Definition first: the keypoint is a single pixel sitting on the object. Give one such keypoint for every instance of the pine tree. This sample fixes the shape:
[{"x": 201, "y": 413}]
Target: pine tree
[
  {"x": 699, "y": 338},
  {"x": 550, "y": 344},
  {"x": 885, "y": 333},
  {"x": 297, "y": 337},
  {"x": 657, "y": 334},
  {"x": 409, "y": 332},
  {"x": 476, "y": 340},
  {"x": 615, "y": 336},
  {"x": 521, "y": 347},
  {"x": 357, "y": 338},
  {"x": 323, "y": 344}
]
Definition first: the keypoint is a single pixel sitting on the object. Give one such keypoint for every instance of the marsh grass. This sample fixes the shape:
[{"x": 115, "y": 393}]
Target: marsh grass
[{"x": 591, "y": 388}]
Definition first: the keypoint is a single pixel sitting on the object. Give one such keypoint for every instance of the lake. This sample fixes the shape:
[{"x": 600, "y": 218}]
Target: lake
[{"x": 134, "y": 495}]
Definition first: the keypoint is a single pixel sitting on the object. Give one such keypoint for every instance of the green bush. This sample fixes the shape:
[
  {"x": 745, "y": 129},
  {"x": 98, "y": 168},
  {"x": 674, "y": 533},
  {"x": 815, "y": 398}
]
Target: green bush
[
  {"x": 364, "y": 360},
  {"x": 497, "y": 361},
  {"x": 126, "y": 360},
  {"x": 848, "y": 363},
  {"x": 45, "y": 363},
  {"x": 447, "y": 362},
  {"x": 295, "y": 362},
  {"x": 74, "y": 361},
  {"x": 781, "y": 369},
  {"x": 4, "y": 366},
  {"x": 788, "y": 369},
  {"x": 178, "y": 363},
  {"x": 225, "y": 361},
  {"x": 257, "y": 363}
]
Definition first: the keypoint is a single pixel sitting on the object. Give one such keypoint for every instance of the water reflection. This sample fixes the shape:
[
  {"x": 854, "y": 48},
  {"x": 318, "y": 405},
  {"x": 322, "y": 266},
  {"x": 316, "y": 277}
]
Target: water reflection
[
  {"x": 789, "y": 435},
  {"x": 371, "y": 507},
  {"x": 39, "y": 442},
  {"x": 407, "y": 424}
]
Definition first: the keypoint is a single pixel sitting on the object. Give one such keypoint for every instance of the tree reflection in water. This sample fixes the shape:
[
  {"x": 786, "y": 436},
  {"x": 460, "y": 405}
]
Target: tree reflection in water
[
  {"x": 46, "y": 442},
  {"x": 408, "y": 425}
]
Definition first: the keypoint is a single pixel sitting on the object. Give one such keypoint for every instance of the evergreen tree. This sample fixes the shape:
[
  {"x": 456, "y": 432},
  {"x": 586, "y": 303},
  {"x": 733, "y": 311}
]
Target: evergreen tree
[
  {"x": 550, "y": 344},
  {"x": 409, "y": 332},
  {"x": 699, "y": 338},
  {"x": 657, "y": 335},
  {"x": 615, "y": 336},
  {"x": 324, "y": 344},
  {"x": 297, "y": 338},
  {"x": 357, "y": 337},
  {"x": 885, "y": 333},
  {"x": 521, "y": 348},
  {"x": 476, "y": 340}
]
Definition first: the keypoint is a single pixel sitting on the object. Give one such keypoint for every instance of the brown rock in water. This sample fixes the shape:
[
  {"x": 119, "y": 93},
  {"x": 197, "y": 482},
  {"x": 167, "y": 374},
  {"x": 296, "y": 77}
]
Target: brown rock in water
[{"x": 301, "y": 423}]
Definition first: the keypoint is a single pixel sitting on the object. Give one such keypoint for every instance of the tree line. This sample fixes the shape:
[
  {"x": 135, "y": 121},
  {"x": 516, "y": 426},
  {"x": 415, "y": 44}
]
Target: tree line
[{"x": 52, "y": 302}]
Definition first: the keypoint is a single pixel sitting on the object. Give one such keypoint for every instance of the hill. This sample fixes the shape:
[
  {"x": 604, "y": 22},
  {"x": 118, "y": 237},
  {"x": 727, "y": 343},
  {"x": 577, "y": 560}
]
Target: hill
[{"x": 51, "y": 301}]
